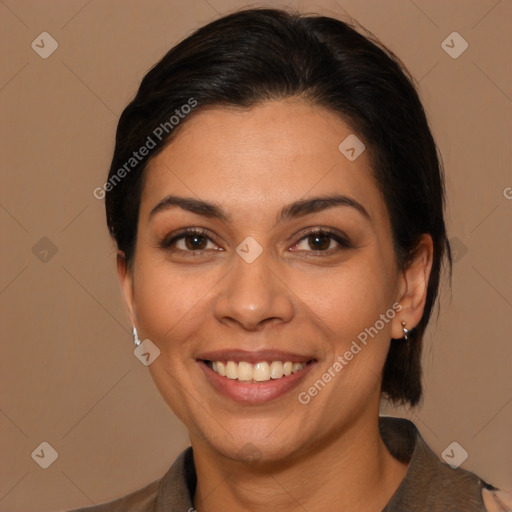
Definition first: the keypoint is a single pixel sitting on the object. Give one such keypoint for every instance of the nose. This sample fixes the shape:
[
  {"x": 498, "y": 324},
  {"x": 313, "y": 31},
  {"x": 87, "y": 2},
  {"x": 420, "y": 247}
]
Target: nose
[{"x": 252, "y": 295}]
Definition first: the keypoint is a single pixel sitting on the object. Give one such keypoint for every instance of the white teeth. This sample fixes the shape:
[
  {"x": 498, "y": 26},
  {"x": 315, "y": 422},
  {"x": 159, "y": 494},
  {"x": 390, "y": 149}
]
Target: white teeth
[
  {"x": 259, "y": 372},
  {"x": 231, "y": 370},
  {"x": 297, "y": 367},
  {"x": 244, "y": 371},
  {"x": 276, "y": 370}
]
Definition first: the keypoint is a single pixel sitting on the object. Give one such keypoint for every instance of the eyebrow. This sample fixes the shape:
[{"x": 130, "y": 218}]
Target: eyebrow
[{"x": 299, "y": 208}]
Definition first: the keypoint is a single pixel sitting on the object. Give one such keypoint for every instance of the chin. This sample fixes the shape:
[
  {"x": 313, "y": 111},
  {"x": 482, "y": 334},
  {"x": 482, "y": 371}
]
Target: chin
[{"x": 256, "y": 447}]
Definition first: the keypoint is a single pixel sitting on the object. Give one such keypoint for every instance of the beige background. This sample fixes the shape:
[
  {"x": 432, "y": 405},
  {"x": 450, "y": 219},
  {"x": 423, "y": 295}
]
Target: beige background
[{"x": 68, "y": 374}]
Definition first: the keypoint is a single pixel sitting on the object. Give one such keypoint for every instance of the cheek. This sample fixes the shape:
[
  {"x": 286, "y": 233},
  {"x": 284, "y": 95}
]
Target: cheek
[
  {"x": 350, "y": 301},
  {"x": 167, "y": 301},
  {"x": 347, "y": 299},
  {"x": 168, "y": 308}
]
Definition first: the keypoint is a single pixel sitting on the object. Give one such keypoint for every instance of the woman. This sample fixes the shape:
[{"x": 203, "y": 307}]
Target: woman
[{"x": 277, "y": 203}]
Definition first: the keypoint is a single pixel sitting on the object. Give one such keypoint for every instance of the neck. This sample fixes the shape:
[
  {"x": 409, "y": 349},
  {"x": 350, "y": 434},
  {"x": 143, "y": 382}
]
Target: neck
[{"x": 354, "y": 471}]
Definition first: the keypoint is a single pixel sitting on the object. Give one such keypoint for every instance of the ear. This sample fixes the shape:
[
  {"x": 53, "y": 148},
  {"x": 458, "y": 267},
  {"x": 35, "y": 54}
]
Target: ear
[
  {"x": 413, "y": 287},
  {"x": 125, "y": 276}
]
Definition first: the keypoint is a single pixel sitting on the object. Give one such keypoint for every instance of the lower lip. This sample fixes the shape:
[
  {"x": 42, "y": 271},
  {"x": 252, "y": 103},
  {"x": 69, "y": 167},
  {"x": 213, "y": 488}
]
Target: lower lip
[{"x": 254, "y": 392}]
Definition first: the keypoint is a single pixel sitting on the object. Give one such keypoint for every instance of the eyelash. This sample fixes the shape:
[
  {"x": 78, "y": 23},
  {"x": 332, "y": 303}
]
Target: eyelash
[{"x": 344, "y": 243}]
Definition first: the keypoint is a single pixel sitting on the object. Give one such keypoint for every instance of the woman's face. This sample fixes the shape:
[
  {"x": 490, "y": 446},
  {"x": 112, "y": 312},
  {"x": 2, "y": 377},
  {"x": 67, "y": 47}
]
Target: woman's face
[{"x": 254, "y": 287}]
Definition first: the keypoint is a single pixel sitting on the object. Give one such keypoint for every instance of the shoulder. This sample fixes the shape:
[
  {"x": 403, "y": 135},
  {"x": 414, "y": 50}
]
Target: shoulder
[
  {"x": 434, "y": 485},
  {"x": 173, "y": 491},
  {"x": 496, "y": 500},
  {"x": 142, "y": 500}
]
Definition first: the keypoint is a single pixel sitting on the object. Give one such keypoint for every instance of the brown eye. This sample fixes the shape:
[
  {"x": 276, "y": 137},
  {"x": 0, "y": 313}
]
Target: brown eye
[
  {"x": 188, "y": 241},
  {"x": 195, "y": 242},
  {"x": 319, "y": 242},
  {"x": 322, "y": 240}
]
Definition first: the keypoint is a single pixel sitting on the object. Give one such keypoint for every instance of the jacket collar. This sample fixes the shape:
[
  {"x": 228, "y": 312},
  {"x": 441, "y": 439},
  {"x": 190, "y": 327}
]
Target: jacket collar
[{"x": 429, "y": 484}]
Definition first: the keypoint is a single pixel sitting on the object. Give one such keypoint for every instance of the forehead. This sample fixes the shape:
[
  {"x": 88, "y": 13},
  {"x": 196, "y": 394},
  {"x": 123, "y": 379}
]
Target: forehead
[{"x": 266, "y": 156}]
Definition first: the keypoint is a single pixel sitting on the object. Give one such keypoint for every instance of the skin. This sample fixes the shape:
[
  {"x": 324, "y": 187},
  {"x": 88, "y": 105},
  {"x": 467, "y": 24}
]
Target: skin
[{"x": 326, "y": 455}]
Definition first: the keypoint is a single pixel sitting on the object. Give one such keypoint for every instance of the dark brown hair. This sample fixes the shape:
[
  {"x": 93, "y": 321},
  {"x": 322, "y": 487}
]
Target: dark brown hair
[{"x": 255, "y": 55}]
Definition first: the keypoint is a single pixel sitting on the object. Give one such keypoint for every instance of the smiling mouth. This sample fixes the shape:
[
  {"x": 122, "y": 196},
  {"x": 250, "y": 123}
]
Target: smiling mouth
[{"x": 262, "y": 371}]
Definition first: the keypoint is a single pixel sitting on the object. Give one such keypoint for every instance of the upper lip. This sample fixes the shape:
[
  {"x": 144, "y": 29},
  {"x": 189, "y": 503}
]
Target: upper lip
[{"x": 252, "y": 357}]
